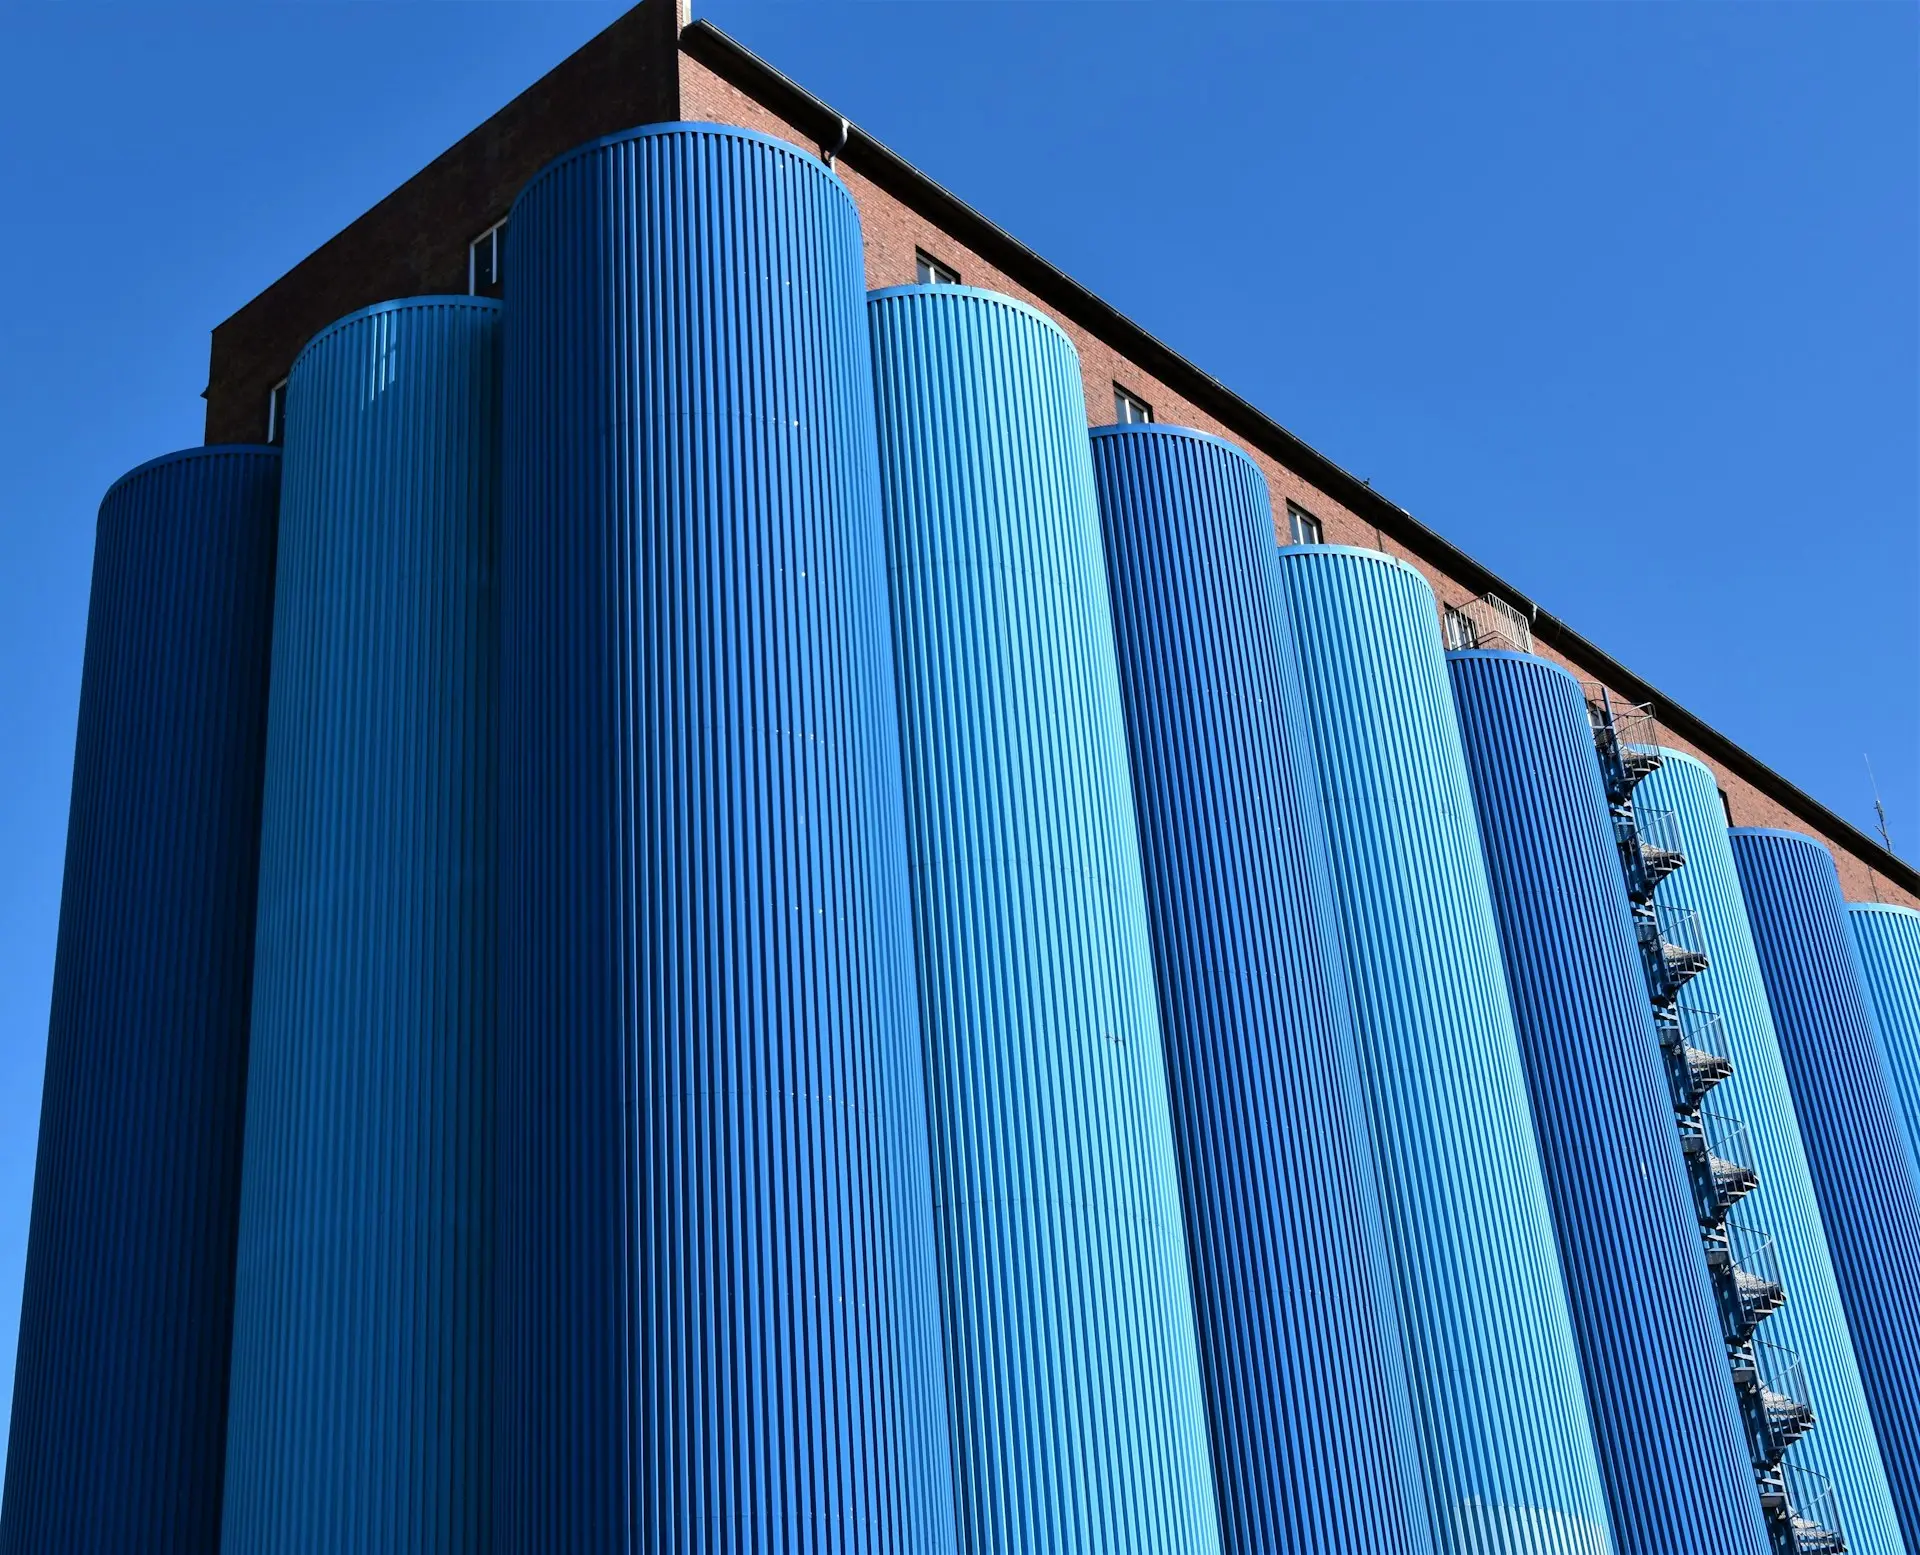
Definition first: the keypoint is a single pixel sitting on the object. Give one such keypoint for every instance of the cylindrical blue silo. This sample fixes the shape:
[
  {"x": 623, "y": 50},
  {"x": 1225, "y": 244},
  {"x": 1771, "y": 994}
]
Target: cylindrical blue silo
[
  {"x": 1510, "y": 1457},
  {"x": 1299, "y": 1345},
  {"x": 362, "y": 1311},
  {"x": 720, "y": 1312},
  {"x": 1856, "y": 1148},
  {"x": 1887, "y": 939},
  {"x": 1672, "y": 1444},
  {"x": 1841, "y": 1447},
  {"x": 1078, "y": 1417},
  {"x": 120, "y": 1397}
]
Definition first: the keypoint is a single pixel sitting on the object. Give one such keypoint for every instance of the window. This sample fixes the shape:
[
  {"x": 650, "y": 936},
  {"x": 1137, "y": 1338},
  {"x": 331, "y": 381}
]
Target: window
[
  {"x": 1129, "y": 410},
  {"x": 486, "y": 256},
  {"x": 1302, "y": 527},
  {"x": 928, "y": 271},
  {"x": 1460, "y": 630},
  {"x": 277, "y": 412}
]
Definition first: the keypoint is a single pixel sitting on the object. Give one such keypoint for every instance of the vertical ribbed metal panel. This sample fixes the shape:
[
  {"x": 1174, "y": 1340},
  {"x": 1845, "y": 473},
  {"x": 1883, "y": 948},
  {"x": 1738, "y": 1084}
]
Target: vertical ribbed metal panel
[
  {"x": 1306, "y": 1388},
  {"x": 1510, "y": 1457},
  {"x": 1079, "y": 1421},
  {"x": 1856, "y": 1149},
  {"x": 1812, "y": 1323},
  {"x": 362, "y": 1312},
  {"x": 1887, "y": 939},
  {"x": 1659, "y": 1391},
  {"x": 721, "y": 1314},
  {"x": 120, "y": 1399}
]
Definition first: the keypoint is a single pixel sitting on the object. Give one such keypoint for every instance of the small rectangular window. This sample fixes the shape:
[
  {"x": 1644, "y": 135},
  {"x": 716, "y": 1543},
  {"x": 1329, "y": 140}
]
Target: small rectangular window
[
  {"x": 486, "y": 256},
  {"x": 1460, "y": 630},
  {"x": 928, "y": 271},
  {"x": 277, "y": 412},
  {"x": 1302, "y": 527},
  {"x": 1129, "y": 410}
]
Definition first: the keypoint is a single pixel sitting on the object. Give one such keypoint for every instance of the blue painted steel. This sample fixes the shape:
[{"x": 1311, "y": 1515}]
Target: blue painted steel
[
  {"x": 120, "y": 1398},
  {"x": 1510, "y": 1456},
  {"x": 721, "y": 1313},
  {"x": 1665, "y": 1415},
  {"x": 362, "y": 1312},
  {"x": 1856, "y": 1148},
  {"x": 1307, "y": 1394},
  {"x": 1079, "y": 1422},
  {"x": 1887, "y": 940},
  {"x": 1813, "y": 1323}
]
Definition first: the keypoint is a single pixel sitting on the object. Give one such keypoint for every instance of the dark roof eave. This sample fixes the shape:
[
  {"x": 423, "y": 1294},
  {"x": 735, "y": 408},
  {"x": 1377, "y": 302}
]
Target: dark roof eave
[{"x": 738, "y": 65}]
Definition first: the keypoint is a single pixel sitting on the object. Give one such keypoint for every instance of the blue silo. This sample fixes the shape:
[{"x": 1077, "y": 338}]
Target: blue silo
[
  {"x": 1782, "y": 1236},
  {"x": 1887, "y": 939},
  {"x": 362, "y": 1313},
  {"x": 1078, "y": 1416},
  {"x": 1667, "y": 1420},
  {"x": 1299, "y": 1344},
  {"x": 1509, "y": 1452},
  {"x": 720, "y": 1325},
  {"x": 1856, "y": 1147},
  {"x": 120, "y": 1396}
]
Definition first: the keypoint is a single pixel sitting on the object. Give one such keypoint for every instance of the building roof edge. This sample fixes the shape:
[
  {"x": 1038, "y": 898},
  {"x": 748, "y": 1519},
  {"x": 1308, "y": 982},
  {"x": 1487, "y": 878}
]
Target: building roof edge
[{"x": 741, "y": 67}]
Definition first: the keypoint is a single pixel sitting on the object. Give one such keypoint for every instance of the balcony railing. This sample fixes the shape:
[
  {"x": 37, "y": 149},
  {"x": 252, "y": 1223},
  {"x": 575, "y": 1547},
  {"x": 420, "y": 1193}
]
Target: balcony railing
[
  {"x": 1696, "y": 1044},
  {"x": 1746, "y": 1269},
  {"x": 1814, "y": 1512}
]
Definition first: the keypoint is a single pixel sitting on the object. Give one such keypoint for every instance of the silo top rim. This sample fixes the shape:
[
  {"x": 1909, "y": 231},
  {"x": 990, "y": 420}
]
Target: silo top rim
[
  {"x": 688, "y": 127},
  {"x": 1668, "y": 753},
  {"x": 1777, "y": 831},
  {"x": 1892, "y": 907},
  {"x": 1293, "y": 552},
  {"x": 1514, "y": 654},
  {"x": 200, "y": 451},
  {"x": 1169, "y": 429},
  {"x": 401, "y": 305},
  {"x": 983, "y": 293}
]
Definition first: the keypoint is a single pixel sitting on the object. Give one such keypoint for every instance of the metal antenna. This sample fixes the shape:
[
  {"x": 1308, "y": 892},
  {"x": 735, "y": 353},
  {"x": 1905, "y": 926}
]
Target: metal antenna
[{"x": 1879, "y": 810}]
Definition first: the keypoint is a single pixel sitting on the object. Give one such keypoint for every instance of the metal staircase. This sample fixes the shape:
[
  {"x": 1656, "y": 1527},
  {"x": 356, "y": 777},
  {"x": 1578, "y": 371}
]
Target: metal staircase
[{"x": 1801, "y": 1512}]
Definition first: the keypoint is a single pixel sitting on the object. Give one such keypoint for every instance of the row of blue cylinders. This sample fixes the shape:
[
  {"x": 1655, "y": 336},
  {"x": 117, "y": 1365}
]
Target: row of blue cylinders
[{"x": 829, "y": 963}]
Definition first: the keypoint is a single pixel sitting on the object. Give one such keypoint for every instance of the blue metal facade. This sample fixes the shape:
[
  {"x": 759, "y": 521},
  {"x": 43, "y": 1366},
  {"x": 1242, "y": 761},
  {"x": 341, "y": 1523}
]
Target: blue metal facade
[
  {"x": 1812, "y": 1323},
  {"x": 1078, "y": 1417},
  {"x": 1856, "y": 1148},
  {"x": 120, "y": 1397},
  {"x": 720, "y": 1311},
  {"x": 1509, "y": 1453},
  {"x": 363, "y": 1312},
  {"x": 1887, "y": 940},
  {"x": 1306, "y": 1388},
  {"x": 1672, "y": 1445}
]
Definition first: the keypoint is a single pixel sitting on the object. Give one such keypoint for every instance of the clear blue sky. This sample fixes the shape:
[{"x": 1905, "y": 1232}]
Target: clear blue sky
[{"x": 1621, "y": 298}]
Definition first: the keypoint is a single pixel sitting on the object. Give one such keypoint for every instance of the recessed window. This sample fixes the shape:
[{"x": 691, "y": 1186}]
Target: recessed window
[
  {"x": 1129, "y": 410},
  {"x": 486, "y": 255},
  {"x": 1460, "y": 629},
  {"x": 928, "y": 271},
  {"x": 277, "y": 412},
  {"x": 1302, "y": 527}
]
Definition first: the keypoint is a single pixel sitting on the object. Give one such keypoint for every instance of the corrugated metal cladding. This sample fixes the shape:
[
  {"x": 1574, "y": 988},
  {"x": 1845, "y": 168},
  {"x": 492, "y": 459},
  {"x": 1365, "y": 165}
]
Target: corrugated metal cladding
[
  {"x": 1887, "y": 939},
  {"x": 1078, "y": 1418},
  {"x": 1510, "y": 1457},
  {"x": 721, "y": 1313},
  {"x": 1672, "y": 1445},
  {"x": 1812, "y": 1323},
  {"x": 120, "y": 1398},
  {"x": 1855, "y": 1145},
  {"x": 362, "y": 1319},
  {"x": 1299, "y": 1345}
]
